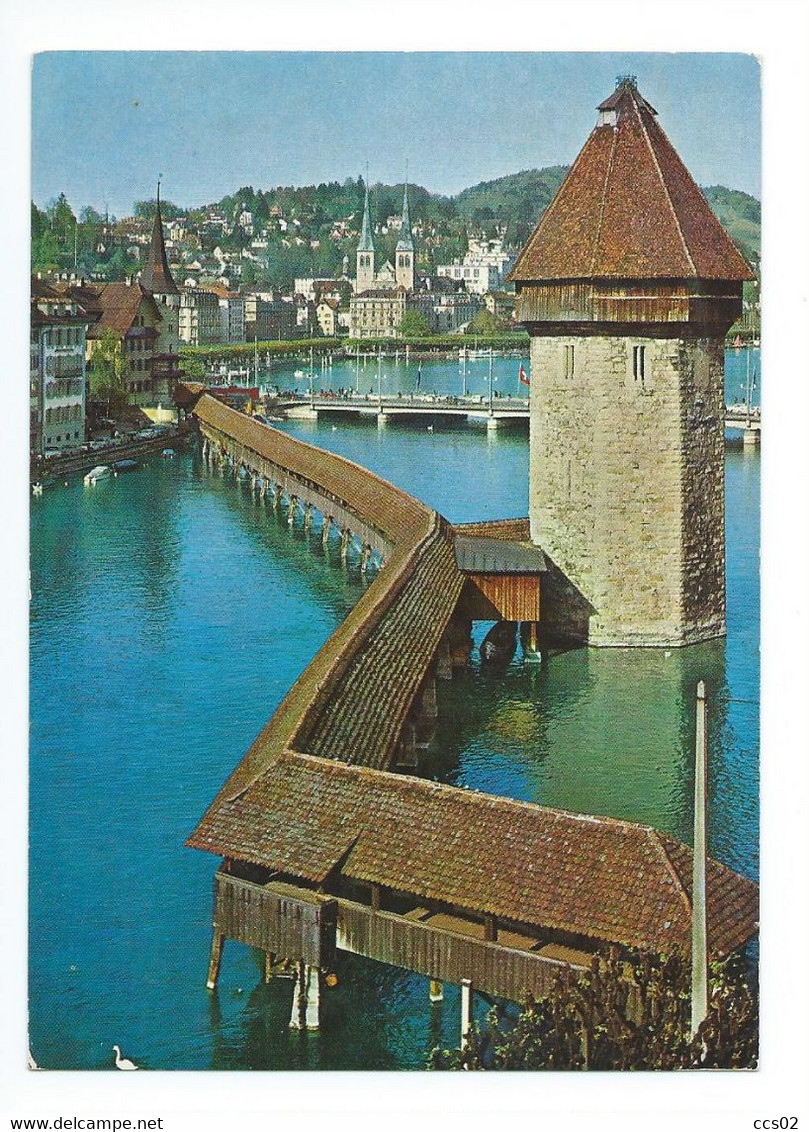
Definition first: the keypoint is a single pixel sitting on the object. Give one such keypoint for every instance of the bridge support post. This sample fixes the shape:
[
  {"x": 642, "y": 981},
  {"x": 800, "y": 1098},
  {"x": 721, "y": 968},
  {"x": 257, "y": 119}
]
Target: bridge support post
[
  {"x": 306, "y": 999},
  {"x": 217, "y": 946},
  {"x": 443, "y": 662},
  {"x": 293, "y": 502},
  {"x": 436, "y": 991},
  {"x": 307, "y": 517},
  {"x": 750, "y": 438},
  {"x": 466, "y": 1011},
  {"x": 269, "y": 966},
  {"x": 277, "y": 492},
  {"x": 366, "y": 557},
  {"x": 326, "y": 530},
  {"x": 381, "y": 420},
  {"x": 345, "y": 542}
]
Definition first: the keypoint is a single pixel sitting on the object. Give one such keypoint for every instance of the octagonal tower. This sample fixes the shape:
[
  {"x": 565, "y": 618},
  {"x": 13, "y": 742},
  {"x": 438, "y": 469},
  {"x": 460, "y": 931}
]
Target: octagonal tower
[{"x": 628, "y": 286}]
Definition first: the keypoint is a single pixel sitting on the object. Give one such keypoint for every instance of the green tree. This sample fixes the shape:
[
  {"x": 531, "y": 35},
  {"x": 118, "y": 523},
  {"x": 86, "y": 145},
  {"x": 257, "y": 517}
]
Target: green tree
[
  {"x": 414, "y": 324},
  {"x": 108, "y": 370},
  {"x": 623, "y": 1014},
  {"x": 485, "y": 322}
]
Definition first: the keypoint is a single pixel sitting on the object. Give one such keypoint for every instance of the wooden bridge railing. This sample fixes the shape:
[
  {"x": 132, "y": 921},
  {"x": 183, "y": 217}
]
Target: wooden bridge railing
[{"x": 303, "y": 925}]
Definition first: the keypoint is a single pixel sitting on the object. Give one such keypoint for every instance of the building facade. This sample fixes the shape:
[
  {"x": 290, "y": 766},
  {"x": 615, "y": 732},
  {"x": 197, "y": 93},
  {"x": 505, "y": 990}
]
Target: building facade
[
  {"x": 200, "y": 323},
  {"x": 627, "y": 287},
  {"x": 58, "y": 373},
  {"x": 482, "y": 269}
]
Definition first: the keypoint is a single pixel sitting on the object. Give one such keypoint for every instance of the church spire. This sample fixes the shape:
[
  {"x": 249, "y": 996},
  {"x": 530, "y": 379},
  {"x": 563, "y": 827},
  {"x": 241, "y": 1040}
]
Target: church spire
[
  {"x": 366, "y": 243},
  {"x": 405, "y": 237},
  {"x": 366, "y": 252},
  {"x": 156, "y": 276},
  {"x": 405, "y": 252}
]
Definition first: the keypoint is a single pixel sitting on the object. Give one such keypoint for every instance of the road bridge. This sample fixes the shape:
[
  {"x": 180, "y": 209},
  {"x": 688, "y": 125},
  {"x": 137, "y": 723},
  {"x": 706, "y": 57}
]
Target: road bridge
[{"x": 481, "y": 410}]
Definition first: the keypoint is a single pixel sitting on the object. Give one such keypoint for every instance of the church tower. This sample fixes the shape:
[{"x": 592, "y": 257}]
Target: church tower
[
  {"x": 156, "y": 280},
  {"x": 627, "y": 287},
  {"x": 365, "y": 251},
  {"x": 156, "y": 277},
  {"x": 405, "y": 254}
]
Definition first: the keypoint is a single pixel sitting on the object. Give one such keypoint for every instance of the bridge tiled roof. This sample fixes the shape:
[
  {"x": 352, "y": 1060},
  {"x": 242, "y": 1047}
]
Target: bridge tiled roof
[
  {"x": 300, "y": 803},
  {"x": 609, "y": 880},
  {"x": 517, "y": 529},
  {"x": 629, "y": 209},
  {"x": 388, "y": 509}
]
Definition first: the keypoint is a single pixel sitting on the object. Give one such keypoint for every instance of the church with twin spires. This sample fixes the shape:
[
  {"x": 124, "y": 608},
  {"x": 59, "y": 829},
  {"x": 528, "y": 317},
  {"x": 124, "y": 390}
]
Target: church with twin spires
[{"x": 380, "y": 296}]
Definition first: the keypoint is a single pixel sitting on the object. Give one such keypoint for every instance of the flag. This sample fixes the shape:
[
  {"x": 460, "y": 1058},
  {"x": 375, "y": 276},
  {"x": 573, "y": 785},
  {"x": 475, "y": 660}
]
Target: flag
[{"x": 525, "y": 380}]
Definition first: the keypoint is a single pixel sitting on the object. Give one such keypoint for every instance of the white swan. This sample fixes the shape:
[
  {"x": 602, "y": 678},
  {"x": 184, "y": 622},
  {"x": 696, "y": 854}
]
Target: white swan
[{"x": 123, "y": 1062}]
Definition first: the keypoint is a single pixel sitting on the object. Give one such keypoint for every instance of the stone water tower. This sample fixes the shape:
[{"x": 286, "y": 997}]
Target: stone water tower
[{"x": 628, "y": 287}]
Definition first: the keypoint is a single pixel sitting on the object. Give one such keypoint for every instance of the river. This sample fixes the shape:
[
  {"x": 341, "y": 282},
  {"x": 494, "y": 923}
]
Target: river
[{"x": 170, "y": 612}]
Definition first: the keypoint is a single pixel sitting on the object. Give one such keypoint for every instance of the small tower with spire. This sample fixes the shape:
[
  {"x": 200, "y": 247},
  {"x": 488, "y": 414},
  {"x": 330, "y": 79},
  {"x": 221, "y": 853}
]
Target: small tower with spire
[
  {"x": 405, "y": 255},
  {"x": 366, "y": 251},
  {"x": 157, "y": 281},
  {"x": 156, "y": 277},
  {"x": 628, "y": 287}
]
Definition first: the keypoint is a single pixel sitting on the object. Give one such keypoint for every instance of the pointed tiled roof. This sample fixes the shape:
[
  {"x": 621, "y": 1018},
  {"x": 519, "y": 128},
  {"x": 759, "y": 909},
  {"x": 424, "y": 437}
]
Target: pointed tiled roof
[
  {"x": 156, "y": 276},
  {"x": 366, "y": 243},
  {"x": 629, "y": 209},
  {"x": 406, "y": 236}
]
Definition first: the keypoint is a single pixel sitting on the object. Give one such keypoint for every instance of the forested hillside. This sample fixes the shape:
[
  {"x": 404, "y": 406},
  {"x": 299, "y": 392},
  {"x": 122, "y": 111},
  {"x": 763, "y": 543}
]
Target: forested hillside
[{"x": 309, "y": 230}]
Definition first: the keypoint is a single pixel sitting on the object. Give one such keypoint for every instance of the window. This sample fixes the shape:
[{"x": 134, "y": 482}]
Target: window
[
  {"x": 569, "y": 361},
  {"x": 639, "y": 363}
]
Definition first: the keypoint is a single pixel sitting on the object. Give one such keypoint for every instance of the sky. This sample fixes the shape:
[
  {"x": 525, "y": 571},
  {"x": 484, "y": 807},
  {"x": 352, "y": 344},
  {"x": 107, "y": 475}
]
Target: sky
[{"x": 106, "y": 124}]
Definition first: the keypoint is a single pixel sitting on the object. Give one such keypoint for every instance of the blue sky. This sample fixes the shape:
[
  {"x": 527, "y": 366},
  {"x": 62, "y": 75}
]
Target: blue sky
[{"x": 105, "y": 124}]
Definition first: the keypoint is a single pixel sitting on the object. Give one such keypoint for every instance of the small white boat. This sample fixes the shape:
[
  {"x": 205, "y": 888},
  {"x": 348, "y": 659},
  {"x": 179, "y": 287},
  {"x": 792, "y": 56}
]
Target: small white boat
[
  {"x": 37, "y": 488},
  {"x": 167, "y": 453},
  {"x": 299, "y": 373},
  {"x": 99, "y": 472}
]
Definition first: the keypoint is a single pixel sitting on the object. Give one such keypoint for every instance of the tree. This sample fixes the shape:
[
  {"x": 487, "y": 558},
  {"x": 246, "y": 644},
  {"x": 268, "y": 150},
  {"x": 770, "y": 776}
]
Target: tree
[
  {"x": 623, "y": 1014},
  {"x": 108, "y": 369},
  {"x": 414, "y": 324},
  {"x": 484, "y": 322}
]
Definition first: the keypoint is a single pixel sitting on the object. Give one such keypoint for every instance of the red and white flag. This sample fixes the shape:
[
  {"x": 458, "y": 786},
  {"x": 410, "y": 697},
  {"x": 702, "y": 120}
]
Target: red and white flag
[{"x": 523, "y": 378}]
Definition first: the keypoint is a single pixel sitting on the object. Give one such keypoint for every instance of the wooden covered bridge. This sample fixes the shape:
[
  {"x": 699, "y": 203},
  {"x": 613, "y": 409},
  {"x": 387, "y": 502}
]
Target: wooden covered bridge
[{"x": 329, "y": 838}]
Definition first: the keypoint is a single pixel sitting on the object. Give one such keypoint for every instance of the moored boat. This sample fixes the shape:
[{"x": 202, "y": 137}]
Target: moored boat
[
  {"x": 167, "y": 453},
  {"x": 124, "y": 466},
  {"x": 99, "y": 472}
]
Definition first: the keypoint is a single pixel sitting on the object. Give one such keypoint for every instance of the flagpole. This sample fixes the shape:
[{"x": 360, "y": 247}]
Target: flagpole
[{"x": 699, "y": 927}]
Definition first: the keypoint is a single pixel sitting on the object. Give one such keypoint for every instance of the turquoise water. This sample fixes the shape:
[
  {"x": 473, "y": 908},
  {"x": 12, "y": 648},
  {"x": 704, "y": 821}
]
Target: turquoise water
[{"x": 170, "y": 612}]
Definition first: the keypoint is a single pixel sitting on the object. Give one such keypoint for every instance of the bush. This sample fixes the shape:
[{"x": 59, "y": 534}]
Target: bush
[{"x": 622, "y": 1014}]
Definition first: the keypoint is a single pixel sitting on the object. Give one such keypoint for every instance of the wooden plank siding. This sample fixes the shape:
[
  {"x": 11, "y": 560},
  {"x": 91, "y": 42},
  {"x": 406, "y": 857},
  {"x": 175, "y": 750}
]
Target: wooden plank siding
[
  {"x": 443, "y": 955},
  {"x": 620, "y": 302},
  {"x": 303, "y": 925},
  {"x": 280, "y": 918},
  {"x": 501, "y": 597}
]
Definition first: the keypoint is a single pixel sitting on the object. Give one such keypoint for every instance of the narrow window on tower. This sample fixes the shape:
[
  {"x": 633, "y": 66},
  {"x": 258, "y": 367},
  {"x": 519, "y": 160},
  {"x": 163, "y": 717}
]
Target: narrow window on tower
[
  {"x": 639, "y": 363},
  {"x": 569, "y": 361}
]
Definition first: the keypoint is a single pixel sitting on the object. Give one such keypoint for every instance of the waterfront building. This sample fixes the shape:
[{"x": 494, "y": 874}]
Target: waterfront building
[
  {"x": 200, "y": 321},
  {"x": 628, "y": 287},
  {"x": 134, "y": 317},
  {"x": 58, "y": 373},
  {"x": 269, "y": 316}
]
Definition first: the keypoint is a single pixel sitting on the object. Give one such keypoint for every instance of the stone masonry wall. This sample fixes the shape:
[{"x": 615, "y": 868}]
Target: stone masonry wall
[{"x": 624, "y": 494}]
